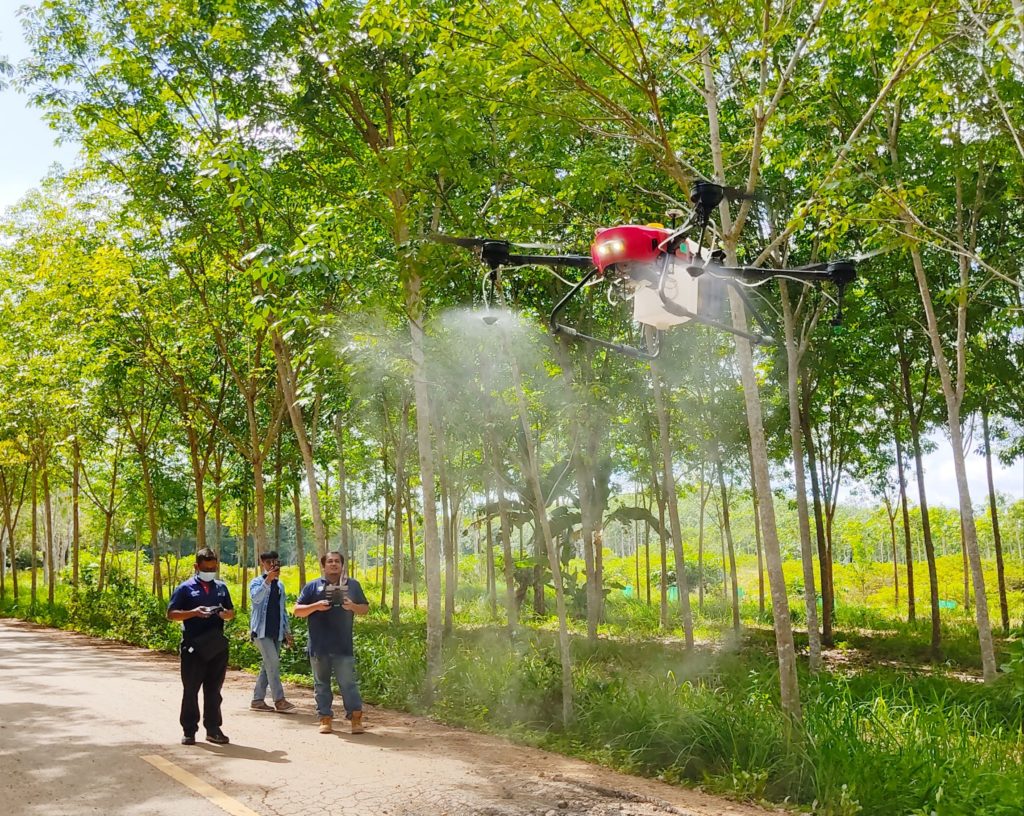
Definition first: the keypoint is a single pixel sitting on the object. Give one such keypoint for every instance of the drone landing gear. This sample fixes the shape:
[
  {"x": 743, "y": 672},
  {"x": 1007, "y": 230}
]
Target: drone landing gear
[{"x": 644, "y": 353}]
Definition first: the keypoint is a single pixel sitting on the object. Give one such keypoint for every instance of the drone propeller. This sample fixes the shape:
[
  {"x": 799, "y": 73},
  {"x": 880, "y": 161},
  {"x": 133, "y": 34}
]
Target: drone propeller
[
  {"x": 478, "y": 243},
  {"x": 466, "y": 243},
  {"x": 849, "y": 261},
  {"x": 863, "y": 256},
  {"x": 536, "y": 245}
]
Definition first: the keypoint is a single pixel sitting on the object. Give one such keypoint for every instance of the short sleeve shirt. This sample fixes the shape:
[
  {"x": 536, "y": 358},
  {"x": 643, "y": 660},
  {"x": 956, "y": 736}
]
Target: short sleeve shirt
[
  {"x": 330, "y": 632},
  {"x": 194, "y": 593}
]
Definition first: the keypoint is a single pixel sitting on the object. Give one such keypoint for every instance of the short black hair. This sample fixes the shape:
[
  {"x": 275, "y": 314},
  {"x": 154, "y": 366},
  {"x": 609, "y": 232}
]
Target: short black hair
[
  {"x": 323, "y": 558},
  {"x": 206, "y": 554},
  {"x": 270, "y": 556}
]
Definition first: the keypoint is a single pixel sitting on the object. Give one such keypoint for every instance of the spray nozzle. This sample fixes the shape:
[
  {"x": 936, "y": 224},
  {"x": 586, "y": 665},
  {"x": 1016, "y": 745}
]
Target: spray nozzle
[{"x": 489, "y": 317}]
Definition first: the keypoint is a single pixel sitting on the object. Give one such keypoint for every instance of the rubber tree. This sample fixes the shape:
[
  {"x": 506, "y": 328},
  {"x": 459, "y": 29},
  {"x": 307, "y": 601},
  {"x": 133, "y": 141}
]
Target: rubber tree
[{"x": 794, "y": 351}]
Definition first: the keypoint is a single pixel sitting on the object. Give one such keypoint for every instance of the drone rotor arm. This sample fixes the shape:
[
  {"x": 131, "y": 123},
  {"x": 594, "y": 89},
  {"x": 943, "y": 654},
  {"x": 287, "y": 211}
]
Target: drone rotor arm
[{"x": 838, "y": 272}]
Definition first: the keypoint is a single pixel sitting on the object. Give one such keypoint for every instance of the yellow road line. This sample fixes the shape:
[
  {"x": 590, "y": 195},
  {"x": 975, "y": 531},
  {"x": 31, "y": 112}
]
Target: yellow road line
[{"x": 205, "y": 789}]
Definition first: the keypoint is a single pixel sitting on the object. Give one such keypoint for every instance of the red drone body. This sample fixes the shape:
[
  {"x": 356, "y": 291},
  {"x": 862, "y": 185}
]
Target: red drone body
[{"x": 630, "y": 243}]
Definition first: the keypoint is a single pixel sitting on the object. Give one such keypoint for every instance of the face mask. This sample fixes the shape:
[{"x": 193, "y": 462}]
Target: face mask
[{"x": 206, "y": 576}]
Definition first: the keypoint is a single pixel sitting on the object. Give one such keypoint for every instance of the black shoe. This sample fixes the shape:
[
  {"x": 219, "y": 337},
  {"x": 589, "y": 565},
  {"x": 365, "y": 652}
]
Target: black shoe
[
  {"x": 218, "y": 738},
  {"x": 188, "y": 739}
]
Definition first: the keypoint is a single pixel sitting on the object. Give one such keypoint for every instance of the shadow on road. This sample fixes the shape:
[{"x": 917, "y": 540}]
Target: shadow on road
[
  {"x": 245, "y": 752},
  {"x": 51, "y": 769}
]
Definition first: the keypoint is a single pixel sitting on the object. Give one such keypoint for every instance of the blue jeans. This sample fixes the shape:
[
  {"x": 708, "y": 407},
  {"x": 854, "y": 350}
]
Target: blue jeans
[
  {"x": 270, "y": 672},
  {"x": 342, "y": 667}
]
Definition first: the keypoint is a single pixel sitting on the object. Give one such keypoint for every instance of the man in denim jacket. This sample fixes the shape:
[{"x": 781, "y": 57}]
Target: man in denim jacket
[{"x": 269, "y": 626}]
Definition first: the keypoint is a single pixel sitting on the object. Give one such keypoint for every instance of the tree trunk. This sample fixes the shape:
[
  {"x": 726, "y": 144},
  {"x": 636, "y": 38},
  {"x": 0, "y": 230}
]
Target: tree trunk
[
  {"x": 953, "y": 393},
  {"x": 997, "y": 540},
  {"x": 668, "y": 484},
  {"x": 824, "y": 559},
  {"x": 277, "y": 494},
  {"x": 396, "y": 535},
  {"x": 431, "y": 544},
  {"x": 647, "y": 561},
  {"x": 198, "y": 476},
  {"x": 35, "y": 531},
  {"x": 243, "y": 557},
  {"x": 585, "y": 483},
  {"x": 300, "y": 549},
  {"x": 966, "y": 568},
  {"x": 700, "y": 541},
  {"x": 51, "y": 566},
  {"x": 929, "y": 545},
  {"x": 895, "y": 558},
  {"x": 218, "y": 463},
  {"x": 735, "y": 594},
  {"x": 663, "y": 545},
  {"x": 384, "y": 555},
  {"x": 288, "y": 379},
  {"x": 533, "y": 476},
  {"x": 806, "y": 555},
  {"x": 258, "y": 517},
  {"x": 154, "y": 528},
  {"x": 911, "y": 610},
  {"x": 138, "y": 553},
  {"x": 346, "y": 536},
  {"x": 757, "y": 535},
  {"x": 76, "y": 468},
  {"x": 451, "y": 571},
  {"x": 108, "y": 519},
  {"x": 11, "y": 522},
  {"x": 539, "y": 553},
  {"x": 789, "y": 688},
  {"x": 492, "y": 586},
  {"x": 506, "y": 542},
  {"x": 636, "y": 556},
  {"x": 412, "y": 546}
]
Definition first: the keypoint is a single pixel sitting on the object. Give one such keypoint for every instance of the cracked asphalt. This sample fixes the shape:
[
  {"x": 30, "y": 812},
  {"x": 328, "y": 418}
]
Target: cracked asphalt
[{"x": 77, "y": 715}]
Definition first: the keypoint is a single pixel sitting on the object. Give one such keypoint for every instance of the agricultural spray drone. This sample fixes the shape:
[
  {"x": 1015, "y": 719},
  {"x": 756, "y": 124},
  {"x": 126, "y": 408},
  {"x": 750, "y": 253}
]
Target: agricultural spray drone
[{"x": 669, "y": 278}]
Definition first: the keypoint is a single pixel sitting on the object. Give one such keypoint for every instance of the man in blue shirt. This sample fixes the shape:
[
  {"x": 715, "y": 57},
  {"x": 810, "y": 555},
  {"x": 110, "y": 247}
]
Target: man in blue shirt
[
  {"x": 331, "y": 603},
  {"x": 268, "y": 623},
  {"x": 202, "y": 604}
]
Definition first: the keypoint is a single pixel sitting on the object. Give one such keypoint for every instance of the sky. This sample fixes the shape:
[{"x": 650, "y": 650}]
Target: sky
[{"x": 28, "y": 151}]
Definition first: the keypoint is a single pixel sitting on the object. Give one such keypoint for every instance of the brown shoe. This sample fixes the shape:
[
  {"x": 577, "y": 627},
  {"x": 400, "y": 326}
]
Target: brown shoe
[
  {"x": 282, "y": 706},
  {"x": 357, "y": 723},
  {"x": 259, "y": 705},
  {"x": 325, "y": 725}
]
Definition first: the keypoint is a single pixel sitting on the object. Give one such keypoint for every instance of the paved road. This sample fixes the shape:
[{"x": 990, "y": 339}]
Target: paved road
[{"x": 90, "y": 727}]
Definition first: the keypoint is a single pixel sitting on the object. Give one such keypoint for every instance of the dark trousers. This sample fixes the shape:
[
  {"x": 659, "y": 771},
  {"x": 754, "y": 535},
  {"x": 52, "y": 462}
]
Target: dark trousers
[{"x": 208, "y": 675}]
